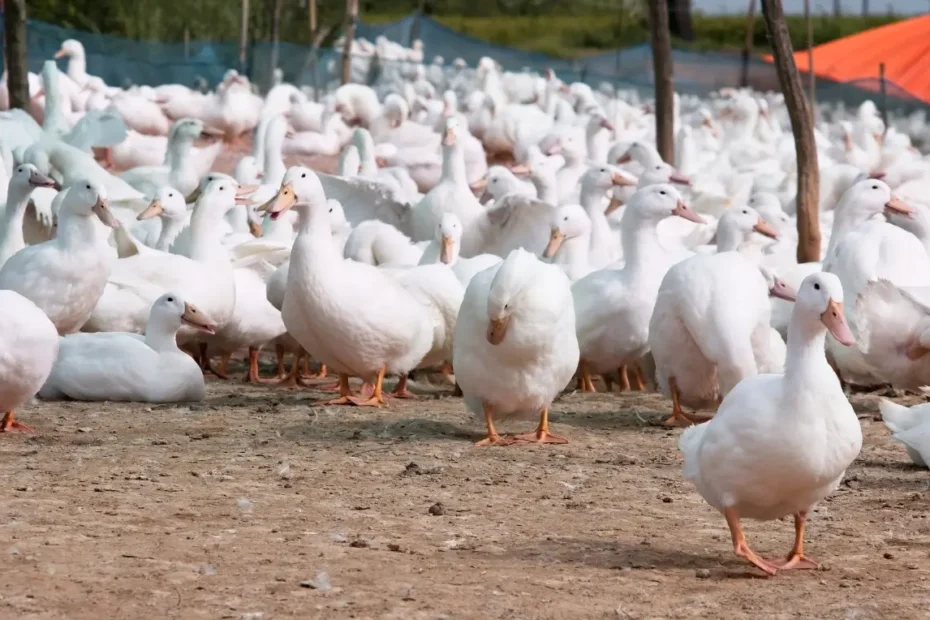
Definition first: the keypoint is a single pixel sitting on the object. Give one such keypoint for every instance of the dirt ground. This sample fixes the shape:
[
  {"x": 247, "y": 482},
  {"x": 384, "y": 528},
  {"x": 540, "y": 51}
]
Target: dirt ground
[{"x": 257, "y": 504}]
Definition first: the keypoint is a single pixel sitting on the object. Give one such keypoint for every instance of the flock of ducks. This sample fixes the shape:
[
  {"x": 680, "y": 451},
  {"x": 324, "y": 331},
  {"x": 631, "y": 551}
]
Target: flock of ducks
[{"x": 514, "y": 243}]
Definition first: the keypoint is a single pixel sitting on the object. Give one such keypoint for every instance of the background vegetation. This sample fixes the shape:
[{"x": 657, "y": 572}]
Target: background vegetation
[{"x": 554, "y": 27}]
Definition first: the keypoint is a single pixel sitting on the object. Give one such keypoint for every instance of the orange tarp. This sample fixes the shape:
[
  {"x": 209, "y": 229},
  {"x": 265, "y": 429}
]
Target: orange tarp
[{"x": 903, "y": 46}]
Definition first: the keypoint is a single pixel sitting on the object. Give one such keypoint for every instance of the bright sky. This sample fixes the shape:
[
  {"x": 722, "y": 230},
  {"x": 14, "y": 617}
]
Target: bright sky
[{"x": 900, "y": 7}]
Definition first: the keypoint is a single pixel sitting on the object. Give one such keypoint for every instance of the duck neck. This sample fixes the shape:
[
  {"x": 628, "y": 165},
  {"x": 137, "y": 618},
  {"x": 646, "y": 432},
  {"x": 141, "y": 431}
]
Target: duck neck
[
  {"x": 845, "y": 219},
  {"x": 574, "y": 250},
  {"x": 171, "y": 227},
  {"x": 206, "y": 236},
  {"x": 641, "y": 247},
  {"x": 77, "y": 68},
  {"x": 729, "y": 239},
  {"x": 17, "y": 201},
  {"x": 160, "y": 337},
  {"x": 75, "y": 231},
  {"x": 805, "y": 360},
  {"x": 545, "y": 189},
  {"x": 179, "y": 153},
  {"x": 453, "y": 164}
]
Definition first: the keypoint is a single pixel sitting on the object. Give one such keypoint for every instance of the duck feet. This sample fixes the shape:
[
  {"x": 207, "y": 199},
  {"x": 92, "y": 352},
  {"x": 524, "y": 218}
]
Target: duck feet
[
  {"x": 496, "y": 440},
  {"x": 292, "y": 380},
  {"x": 741, "y": 547},
  {"x": 205, "y": 365},
  {"x": 639, "y": 382},
  {"x": 679, "y": 417},
  {"x": 401, "y": 391},
  {"x": 9, "y": 423},
  {"x": 624, "y": 379},
  {"x": 541, "y": 434},
  {"x": 584, "y": 381},
  {"x": 253, "y": 376},
  {"x": 796, "y": 559},
  {"x": 345, "y": 393}
]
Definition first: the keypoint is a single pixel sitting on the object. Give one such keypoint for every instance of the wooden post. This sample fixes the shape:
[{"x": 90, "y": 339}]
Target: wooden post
[
  {"x": 747, "y": 42},
  {"x": 664, "y": 87},
  {"x": 243, "y": 35},
  {"x": 15, "y": 53},
  {"x": 187, "y": 41},
  {"x": 812, "y": 78},
  {"x": 312, "y": 17},
  {"x": 803, "y": 129},
  {"x": 349, "y": 35},
  {"x": 275, "y": 38}
]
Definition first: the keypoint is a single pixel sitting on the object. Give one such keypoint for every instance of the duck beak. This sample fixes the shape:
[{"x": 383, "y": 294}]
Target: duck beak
[
  {"x": 60, "y": 54},
  {"x": 555, "y": 149},
  {"x": 103, "y": 212},
  {"x": 153, "y": 210},
  {"x": 897, "y": 206},
  {"x": 835, "y": 321},
  {"x": 242, "y": 193},
  {"x": 606, "y": 124},
  {"x": 677, "y": 177},
  {"x": 781, "y": 290},
  {"x": 497, "y": 329},
  {"x": 915, "y": 351},
  {"x": 624, "y": 159},
  {"x": 521, "y": 170},
  {"x": 615, "y": 203},
  {"x": 37, "y": 179},
  {"x": 282, "y": 201},
  {"x": 211, "y": 132},
  {"x": 449, "y": 139},
  {"x": 555, "y": 242},
  {"x": 683, "y": 210},
  {"x": 445, "y": 250},
  {"x": 620, "y": 180},
  {"x": 764, "y": 228},
  {"x": 480, "y": 184},
  {"x": 877, "y": 175},
  {"x": 255, "y": 228},
  {"x": 197, "y": 319}
]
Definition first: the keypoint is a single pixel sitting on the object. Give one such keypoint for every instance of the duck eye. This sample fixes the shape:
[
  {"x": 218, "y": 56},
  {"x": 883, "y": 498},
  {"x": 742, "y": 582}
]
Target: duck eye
[
  {"x": 745, "y": 211},
  {"x": 662, "y": 191},
  {"x": 87, "y": 186},
  {"x": 303, "y": 175},
  {"x": 330, "y": 209},
  {"x": 171, "y": 299},
  {"x": 816, "y": 287}
]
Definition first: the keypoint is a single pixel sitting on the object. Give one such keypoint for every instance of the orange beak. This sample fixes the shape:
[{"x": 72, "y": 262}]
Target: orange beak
[
  {"x": 898, "y": 207},
  {"x": 764, "y": 228},
  {"x": 497, "y": 329},
  {"x": 835, "y": 321},
  {"x": 683, "y": 210}
]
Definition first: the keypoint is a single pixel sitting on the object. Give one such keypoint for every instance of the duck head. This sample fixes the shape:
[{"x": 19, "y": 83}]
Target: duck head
[
  {"x": 449, "y": 234},
  {"x": 778, "y": 287},
  {"x": 660, "y": 201},
  {"x": 568, "y": 222},
  {"x": 88, "y": 198},
  {"x": 27, "y": 177},
  {"x": 171, "y": 309},
  {"x": 821, "y": 295},
  {"x": 506, "y": 293},
  {"x": 870, "y": 197},
  {"x": 168, "y": 203},
  {"x": 300, "y": 186}
]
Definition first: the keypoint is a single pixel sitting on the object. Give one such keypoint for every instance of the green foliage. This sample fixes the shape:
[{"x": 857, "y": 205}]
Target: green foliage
[{"x": 553, "y": 27}]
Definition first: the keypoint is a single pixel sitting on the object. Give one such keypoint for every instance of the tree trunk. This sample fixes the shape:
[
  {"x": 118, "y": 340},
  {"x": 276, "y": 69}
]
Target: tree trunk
[
  {"x": 803, "y": 128},
  {"x": 747, "y": 43},
  {"x": 16, "y": 61},
  {"x": 243, "y": 35},
  {"x": 275, "y": 39},
  {"x": 351, "y": 18},
  {"x": 665, "y": 88}
]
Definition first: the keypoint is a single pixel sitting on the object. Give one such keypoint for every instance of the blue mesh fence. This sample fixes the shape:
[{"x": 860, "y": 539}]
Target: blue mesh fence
[{"x": 119, "y": 61}]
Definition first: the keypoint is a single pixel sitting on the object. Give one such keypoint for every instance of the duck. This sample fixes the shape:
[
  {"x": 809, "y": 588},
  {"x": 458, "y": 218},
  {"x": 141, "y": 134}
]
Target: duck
[
  {"x": 66, "y": 276},
  {"x": 325, "y": 307},
  {"x": 711, "y": 329},
  {"x": 780, "y": 443},
  {"x": 909, "y": 425},
  {"x": 613, "y": 306},
  {"x": 29, "y": 341},
  {"x": 24, "y": 180},
  {"x": 515, "y": 346},
  {"x": 168, "y": 212},
  {"x": 445, "y": 249},
  {"x": 205, "y": 278},
  {"x": 121, "y": 366},
  {"x": 595, "y": 182},
  {"x": 570, "y": 241},
  {"x": 378, "y": 243}
]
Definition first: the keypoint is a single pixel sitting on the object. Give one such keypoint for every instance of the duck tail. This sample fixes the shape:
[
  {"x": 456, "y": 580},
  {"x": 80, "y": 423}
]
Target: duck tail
[
  {"x": 690, "y": 446},
  {"x": 897, "y": 418}
]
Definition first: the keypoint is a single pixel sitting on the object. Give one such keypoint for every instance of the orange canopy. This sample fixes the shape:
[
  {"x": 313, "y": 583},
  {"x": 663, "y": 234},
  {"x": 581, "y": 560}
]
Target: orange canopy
[{"x": 903, "y": 46}]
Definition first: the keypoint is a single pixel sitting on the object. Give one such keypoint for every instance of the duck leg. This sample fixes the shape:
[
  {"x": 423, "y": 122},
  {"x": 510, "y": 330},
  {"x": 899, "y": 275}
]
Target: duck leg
[
  {"x": 492, "y": 438},
  {"x": 586, "y": 385},
  {"x": 741, "y": 547},
  {"x": 9, "y": 423},
  {"x": 205, "y": 365},
  {"x": 638, "y": 379},
  {"x": 542, "y": 434},
  {"x": 293, "y": 380},
  {"x": 253, "y": 375},
  {"x": 282, "y": 369},
  {"x": 608, "y": 382},
  {"x": 796, "y": 558},
  {"x": 305, "y": 369},
  {"x": 624, "y": 379},
  {"x": 401, "y": 391},
  {"x": 679, "y": 417},
  {"x": 377, "y": 397},
  {"x": 345, "y": 393}
]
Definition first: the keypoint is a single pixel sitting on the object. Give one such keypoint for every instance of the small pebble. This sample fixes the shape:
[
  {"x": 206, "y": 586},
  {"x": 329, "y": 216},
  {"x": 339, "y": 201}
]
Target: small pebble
[
  {"x": 702, "y": 573},
  {"x": 666, "y": 500},
  {"x": 207, "y": 569},
  {"x": 394, "y": 547},
  {"x": 358, "y": 543},
  {"x": 888, "y": 555},
  {"x": 321, "y": 582},
  {"x": 437, "y": 509}
]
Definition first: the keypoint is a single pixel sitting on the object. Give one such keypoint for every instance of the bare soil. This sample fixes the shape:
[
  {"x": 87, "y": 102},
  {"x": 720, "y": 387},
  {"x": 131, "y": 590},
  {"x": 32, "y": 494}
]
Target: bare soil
[{"x": 257, "y": 504}]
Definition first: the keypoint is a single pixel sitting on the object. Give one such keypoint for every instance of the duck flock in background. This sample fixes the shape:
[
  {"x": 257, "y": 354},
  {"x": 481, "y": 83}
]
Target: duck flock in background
[{"x": 513, "y": 234}]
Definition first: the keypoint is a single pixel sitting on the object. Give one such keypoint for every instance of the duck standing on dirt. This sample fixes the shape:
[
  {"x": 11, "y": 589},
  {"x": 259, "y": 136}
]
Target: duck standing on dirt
[
  {"x": 780, "y": 443},
  {"x": 515, "y": 347}
]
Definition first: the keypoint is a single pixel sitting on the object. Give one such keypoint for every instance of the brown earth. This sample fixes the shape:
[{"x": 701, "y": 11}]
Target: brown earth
[{"x": 256, "y": 504}]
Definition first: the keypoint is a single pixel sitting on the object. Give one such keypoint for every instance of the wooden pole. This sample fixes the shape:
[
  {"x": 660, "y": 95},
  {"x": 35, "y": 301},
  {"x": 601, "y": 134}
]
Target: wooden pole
[
  {"x": 812, "y": 87},
  {"x": 747, "y": 42},
  {"x": 312, "y": 17},
  {"x": 187, "y": 42},
  {"x": 664, "y": 87},
  {"x": 15, "y": 52},
  {"x": 243, "y": 35},
  {"x": 884, "y": 91},
  {"x": 803, "y": 129},
  {"x": 351, "y": 18}
]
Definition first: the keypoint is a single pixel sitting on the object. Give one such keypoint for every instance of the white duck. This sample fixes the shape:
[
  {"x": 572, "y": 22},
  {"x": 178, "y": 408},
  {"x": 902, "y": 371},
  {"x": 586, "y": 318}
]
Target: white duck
[
  {"x": 377, "y": 243},
  {"x": 910, "y": 426},
  {"x": 24, "y": 180},
  {"x": 570, "y": 241},
  {"x": 779, "y": 444},
  {"x": 120, "y": 366},
  {"x": 327, "y": 305},
  {"x": 29, "y": 342},
  {"x": 613, "y": 306},
  {"x": 66, "y": 276},
  {"x": 163, "y": 220},
  {"x": 445, "y": 249},
  {"x": 515, "y": 347},
  {"x": 177, "y": 170}
]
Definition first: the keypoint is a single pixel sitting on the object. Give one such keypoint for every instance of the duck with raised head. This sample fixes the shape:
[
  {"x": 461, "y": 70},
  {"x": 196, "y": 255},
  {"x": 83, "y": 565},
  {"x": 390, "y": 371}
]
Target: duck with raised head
[
  {"x": 24, "y": 180},
  {"x": 780, "y": 443}
]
